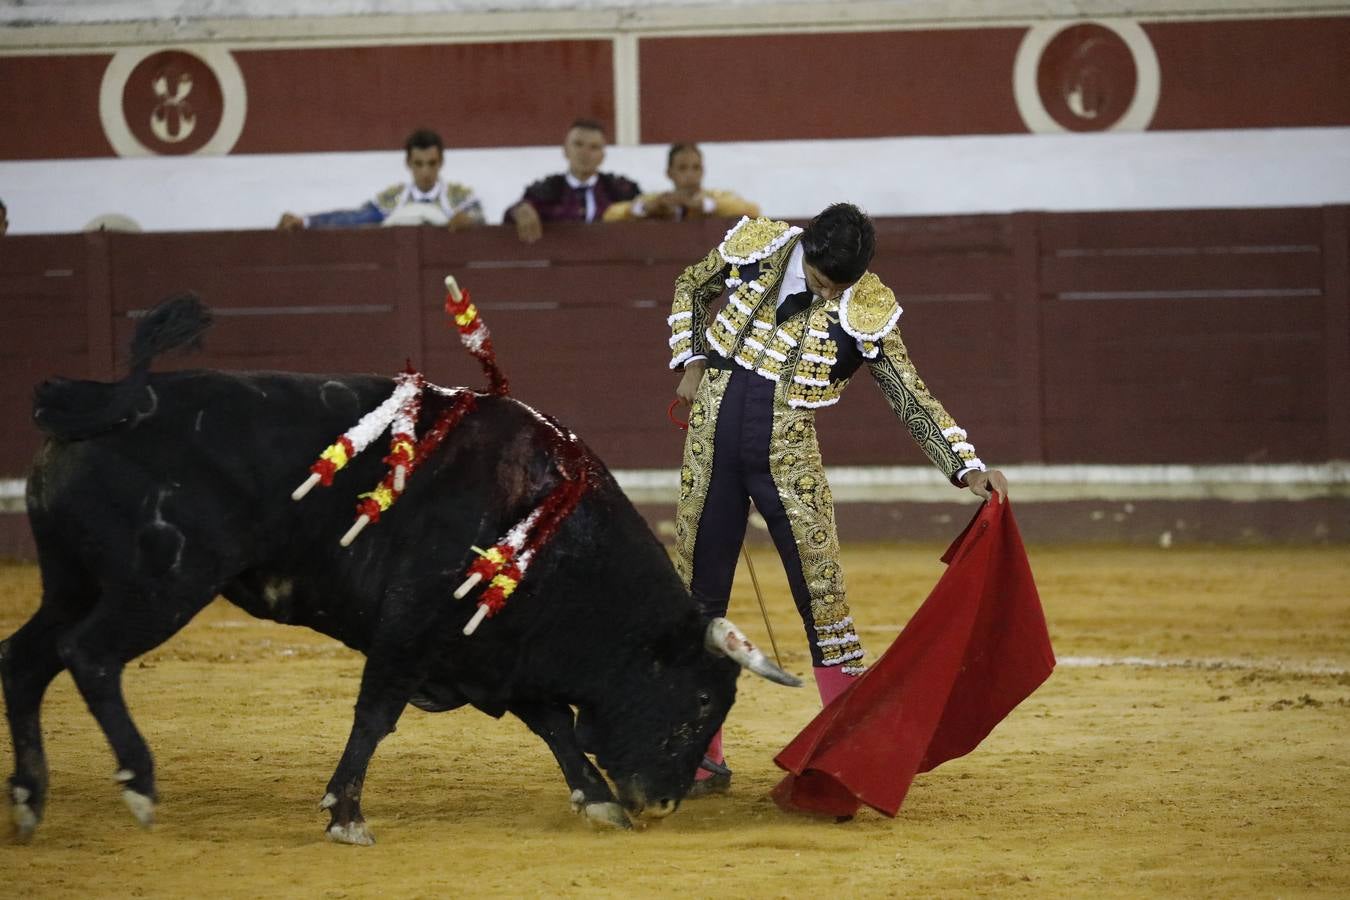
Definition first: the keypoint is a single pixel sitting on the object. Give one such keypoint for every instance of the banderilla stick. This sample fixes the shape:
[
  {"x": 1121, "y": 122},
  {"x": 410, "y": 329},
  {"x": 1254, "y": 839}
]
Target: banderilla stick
[{"x": 763, "y": 611}]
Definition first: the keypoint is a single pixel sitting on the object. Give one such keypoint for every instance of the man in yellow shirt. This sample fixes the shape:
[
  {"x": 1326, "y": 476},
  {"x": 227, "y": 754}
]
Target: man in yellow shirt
[{"x": 689, "y": 200}]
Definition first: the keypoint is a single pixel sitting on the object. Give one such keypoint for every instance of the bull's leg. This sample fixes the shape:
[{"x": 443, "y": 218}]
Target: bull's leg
[
  {"x": 392, "y": 674},
  {"x": 591, "y": 796},
  {"x": 28, "y": 663},
  {"x": 122, "y": 626}
]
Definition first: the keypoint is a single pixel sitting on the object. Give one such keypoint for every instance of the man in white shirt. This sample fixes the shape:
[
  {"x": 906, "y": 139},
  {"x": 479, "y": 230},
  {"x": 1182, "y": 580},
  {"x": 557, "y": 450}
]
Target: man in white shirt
[{"x": 424, "y": 200}]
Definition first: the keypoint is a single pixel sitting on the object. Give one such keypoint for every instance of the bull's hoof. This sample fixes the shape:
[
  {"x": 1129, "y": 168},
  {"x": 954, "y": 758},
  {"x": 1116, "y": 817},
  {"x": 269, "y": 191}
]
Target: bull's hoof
[
  {"x": 21, "y": 812},
  {"x": 141, "y": 806},
  {"x": 605, "y": 815},
  {"x": 352, "y": 833}
]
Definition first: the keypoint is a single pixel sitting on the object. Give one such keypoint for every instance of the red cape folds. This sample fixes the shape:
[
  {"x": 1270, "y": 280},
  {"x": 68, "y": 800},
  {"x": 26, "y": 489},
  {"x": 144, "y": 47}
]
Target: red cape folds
[{"x": 975, "y": 649}]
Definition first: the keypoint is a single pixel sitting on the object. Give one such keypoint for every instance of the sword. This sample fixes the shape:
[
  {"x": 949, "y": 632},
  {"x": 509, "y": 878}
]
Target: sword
[{"x": 745, "y": 552}]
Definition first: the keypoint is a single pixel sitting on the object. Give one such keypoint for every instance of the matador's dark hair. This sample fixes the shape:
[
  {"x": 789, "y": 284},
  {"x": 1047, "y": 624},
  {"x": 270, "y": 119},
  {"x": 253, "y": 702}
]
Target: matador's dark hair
[
  {"x": 840, "y": 242},
  {"x": 422, "y": 139}
]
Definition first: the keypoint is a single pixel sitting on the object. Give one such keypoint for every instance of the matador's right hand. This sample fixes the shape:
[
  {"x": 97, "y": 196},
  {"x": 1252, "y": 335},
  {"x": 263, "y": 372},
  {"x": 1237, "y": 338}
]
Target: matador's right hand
[{"x": 687, "y": 389}]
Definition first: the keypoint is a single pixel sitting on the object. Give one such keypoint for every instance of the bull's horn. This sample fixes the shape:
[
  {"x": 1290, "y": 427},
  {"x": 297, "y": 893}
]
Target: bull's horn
[{"x": 725, "y": 638}]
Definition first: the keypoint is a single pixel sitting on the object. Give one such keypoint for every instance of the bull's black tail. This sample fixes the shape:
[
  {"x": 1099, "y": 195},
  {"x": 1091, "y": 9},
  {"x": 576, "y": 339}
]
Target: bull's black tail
[
  {"x": 75, "y": 410},
  {"x": 179, "y": 321}
]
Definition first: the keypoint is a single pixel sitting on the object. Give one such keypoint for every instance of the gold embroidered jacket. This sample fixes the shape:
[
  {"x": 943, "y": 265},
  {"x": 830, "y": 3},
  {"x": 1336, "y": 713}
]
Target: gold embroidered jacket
[
  {"x": 815, "y": 351},
  {"x": 452, "y": 197}
]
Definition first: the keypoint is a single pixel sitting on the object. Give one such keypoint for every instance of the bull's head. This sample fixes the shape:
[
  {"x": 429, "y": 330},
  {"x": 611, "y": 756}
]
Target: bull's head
[{"x": 651, "y": 735}]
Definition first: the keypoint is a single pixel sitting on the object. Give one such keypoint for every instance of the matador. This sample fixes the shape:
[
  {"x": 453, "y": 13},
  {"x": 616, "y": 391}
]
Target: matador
[{"x": 803, "y": 315}]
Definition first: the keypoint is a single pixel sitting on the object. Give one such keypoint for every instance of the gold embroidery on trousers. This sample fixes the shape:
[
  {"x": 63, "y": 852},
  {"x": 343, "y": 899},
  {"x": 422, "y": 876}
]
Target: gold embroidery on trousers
[
  {"x": 799, "y": 475},
  {"x": 696, "y": 470}
]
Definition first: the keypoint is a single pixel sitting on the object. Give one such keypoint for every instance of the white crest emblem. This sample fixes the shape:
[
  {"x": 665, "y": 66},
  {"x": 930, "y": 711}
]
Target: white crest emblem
[{"x": 173, "y": 118}]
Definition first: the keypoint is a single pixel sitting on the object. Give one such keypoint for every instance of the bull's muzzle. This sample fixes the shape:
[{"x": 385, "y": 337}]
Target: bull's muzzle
[{"x": 725, "y": 638}]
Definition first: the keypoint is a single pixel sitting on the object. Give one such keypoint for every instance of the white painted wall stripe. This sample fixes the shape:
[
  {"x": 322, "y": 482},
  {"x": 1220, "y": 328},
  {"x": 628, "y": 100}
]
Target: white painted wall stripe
[
  {"x": 1286, "y": 666},
  {"x": 1049, "y": 483},
  {"x": 789, "y": 179},
  {"x": 627, "y": 101},
  {"x": 57, "y": 26},
  {"x": 1027, "y": 483}
]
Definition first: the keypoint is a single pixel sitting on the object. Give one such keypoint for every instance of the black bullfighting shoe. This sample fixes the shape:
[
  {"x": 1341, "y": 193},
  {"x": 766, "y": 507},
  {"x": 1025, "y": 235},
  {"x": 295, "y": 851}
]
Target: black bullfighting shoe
[{"x": 719, "y": 782}]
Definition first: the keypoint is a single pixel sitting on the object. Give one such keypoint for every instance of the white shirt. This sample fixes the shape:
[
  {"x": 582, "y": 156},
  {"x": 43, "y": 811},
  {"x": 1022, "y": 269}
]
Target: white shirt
[
  {"x": 794, "y": 276},
  {"x": 415, "y": 195},
  {"x": 589, "y": 184}
]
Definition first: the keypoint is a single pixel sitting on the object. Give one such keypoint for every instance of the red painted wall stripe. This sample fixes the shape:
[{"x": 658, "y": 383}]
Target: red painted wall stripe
[
  {"x": 782, "y": 87},
  {"x": 49, "y": 107},
  {"x": 475, "y": 95},
  {"x": 1268, "y": 73},
  {"x": 1265, "y": 73}
]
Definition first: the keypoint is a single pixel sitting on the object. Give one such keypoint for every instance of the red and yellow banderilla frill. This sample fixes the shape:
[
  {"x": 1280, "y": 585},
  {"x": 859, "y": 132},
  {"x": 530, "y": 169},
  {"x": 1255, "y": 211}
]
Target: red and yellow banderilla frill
[{"x": 503, "y": 565}]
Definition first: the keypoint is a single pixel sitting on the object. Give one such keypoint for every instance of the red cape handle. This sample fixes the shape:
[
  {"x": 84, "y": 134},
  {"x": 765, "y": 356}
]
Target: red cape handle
[{"x": 670, "y": 412}]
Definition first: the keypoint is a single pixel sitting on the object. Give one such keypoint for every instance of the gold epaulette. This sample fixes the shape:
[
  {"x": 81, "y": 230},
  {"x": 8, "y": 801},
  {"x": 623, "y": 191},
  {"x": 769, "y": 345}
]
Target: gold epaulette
[
  {"x": 387, "y": 199},
  {"x": 457, "y": 193},
  {"x": 750, "y": 240},
  {"x": 868, "y": 311}
]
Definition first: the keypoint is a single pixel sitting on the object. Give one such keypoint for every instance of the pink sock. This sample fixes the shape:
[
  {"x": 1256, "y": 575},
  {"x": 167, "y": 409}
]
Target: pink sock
[
  {"x": 714, "y": 753},
  {"x": 831, "y": 681}
]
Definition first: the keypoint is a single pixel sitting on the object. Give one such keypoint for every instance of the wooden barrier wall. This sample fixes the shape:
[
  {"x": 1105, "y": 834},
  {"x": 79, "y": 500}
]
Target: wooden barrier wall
[{"x": 1185, "y": 336}]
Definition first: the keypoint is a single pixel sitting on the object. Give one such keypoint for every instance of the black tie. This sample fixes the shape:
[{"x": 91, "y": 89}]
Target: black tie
[
  {"x": 793, "y": 304},
  {"x": 581, "y": 191}
]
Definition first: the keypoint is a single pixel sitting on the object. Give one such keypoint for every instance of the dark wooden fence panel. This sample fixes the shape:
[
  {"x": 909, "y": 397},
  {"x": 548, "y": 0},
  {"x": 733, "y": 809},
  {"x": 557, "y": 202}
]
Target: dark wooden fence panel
[
  {"x": 44, "y": 308},
  {"x": 1196, "y": 336},
  {"x": 1184, "y": 336},
  {"x": 1336, "y": 265},
  {"x": 1193, "y": 228},
  {"x": 324, "y": 301}
]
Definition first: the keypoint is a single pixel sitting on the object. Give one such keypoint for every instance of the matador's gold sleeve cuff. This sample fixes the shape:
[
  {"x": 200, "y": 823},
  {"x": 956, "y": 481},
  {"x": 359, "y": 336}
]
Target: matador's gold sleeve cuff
[
  {"x": 695, "y": 289},
  {"x": 932, "y": 427}
]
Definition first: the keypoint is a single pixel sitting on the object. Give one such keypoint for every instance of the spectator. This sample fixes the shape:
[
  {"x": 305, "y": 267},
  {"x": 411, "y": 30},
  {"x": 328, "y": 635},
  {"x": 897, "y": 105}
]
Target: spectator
[
  {"x": 684, "y": 168},
  {"x": 4, "y": 218},
  {"x": 581, "y": 194},
  {"x": 427, "y": 199}
]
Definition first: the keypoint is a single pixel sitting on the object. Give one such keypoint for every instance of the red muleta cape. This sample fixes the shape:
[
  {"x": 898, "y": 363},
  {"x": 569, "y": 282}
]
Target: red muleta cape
[{"x": 976, "y": 648}]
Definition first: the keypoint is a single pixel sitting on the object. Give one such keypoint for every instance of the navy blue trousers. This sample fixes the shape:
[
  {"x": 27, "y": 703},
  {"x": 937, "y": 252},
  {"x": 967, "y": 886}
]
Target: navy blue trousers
[{"x": 740, "y": 474}]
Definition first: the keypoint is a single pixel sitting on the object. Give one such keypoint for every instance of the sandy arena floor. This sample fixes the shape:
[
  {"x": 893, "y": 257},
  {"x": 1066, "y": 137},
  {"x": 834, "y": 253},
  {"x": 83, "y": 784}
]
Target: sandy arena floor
[{"x": 1193, "y": 742}]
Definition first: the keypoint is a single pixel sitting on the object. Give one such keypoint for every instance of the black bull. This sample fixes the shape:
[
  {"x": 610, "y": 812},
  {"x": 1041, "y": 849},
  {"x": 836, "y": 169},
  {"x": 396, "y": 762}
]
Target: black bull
[{"x": 153, "y": 495}]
